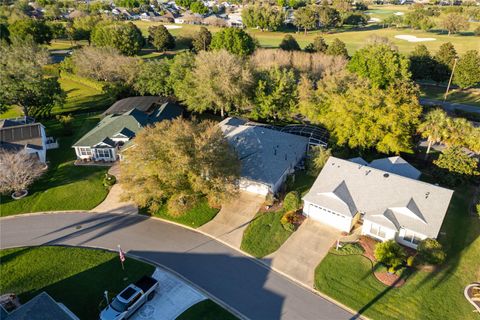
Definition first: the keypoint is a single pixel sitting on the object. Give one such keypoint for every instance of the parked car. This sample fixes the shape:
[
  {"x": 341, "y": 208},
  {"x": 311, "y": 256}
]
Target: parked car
[{"x": 127, "y": 302}]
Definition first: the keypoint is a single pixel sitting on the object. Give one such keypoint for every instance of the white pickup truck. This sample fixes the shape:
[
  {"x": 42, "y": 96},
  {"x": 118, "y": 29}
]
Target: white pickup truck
[{"x": 130, "y": 299}]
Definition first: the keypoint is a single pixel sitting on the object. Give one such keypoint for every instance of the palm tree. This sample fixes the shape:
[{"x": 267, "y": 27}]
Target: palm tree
[
  {"x": 434, "y": 127},
  {"x": 458, "y": 131}
]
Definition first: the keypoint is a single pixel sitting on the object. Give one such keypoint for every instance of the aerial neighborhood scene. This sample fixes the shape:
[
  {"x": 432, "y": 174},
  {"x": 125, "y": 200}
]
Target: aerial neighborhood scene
[{"x": 229, "y": 159}]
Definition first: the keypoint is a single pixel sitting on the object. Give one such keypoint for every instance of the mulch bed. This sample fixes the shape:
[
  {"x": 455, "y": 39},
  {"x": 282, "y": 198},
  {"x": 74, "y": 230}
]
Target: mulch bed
[{"x": 384, "y": 277}]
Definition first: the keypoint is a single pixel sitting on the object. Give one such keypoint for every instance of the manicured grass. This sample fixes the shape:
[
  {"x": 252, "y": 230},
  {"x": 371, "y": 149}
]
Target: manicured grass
[
  {"x": 75, "y": 277},
  {"x": 303, "y": 182},
  {"x": 469, "y": 96},
  {"x": 195, "y": 217},
  {"x": 82, "y": 98},
  {"x": 64, "y": 186},
  {"x": 206, "y": 310},
  {"x": 348, "y": 249},
  {"x": 11, "y": 112},
  {"x": 353, "y": 38},
  {"x": 265, "y": 234},
  {"x": 426, "y": 295}
]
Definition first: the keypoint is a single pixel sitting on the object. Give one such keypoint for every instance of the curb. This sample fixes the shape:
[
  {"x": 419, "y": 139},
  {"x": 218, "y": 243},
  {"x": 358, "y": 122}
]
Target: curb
[
  {"x": 268, "y": 267},
  {"x": 252, "y": 258}
]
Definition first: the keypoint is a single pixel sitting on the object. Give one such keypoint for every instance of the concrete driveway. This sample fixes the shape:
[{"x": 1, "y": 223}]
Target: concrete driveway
[
  {"x": 302, "y": 252},
  {"x": 234, "y": 217},
  {"x": 172, "y": 297}
]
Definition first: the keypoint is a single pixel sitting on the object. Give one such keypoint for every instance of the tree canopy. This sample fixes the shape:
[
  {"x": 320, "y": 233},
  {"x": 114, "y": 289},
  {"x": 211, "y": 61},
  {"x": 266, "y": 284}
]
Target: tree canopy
[
  {"x": 233, "y": 40},
  {"x": 178, "y": 162},
  {"x": 125, "y": 37},
  {"x": 36, "y": 30},
  {"x": 160, "y": 38},
  {"x": 219, "y": 81},
  {"x": 23, "y": 81},
  {"x": 289, "y": 43},
  {"x": 201, "y": 40},
  {"x": 360, "y": 115},
  {"x": 381, "y": 64},
  {"x": 467, "y": 72},
  {"x": 265, "y": 17}
]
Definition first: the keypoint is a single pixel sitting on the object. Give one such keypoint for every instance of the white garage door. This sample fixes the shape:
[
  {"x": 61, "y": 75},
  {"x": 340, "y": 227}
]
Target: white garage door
[
  {"x": 328, "y": 217},
  {"x": 254, "y": 187}
]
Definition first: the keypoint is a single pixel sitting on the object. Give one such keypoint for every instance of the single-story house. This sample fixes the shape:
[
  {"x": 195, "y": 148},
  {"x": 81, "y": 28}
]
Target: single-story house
[
  {"x": 389, "y": 202},
  {"x": 116, "y": 131},
  {"x": 267, "y": 156},
  {"x": 25, "y": 134},
  {"x": 42, "y": 306}
]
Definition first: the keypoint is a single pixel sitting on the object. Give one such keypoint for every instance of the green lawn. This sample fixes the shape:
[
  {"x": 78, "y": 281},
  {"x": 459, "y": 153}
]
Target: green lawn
[
  {"x": 64, "y": 186},
  {"x": 426, "y": 295},
  {"x": 73, "y": 276},
  {"x": 206, "y": 310},
  {"x": 469, "y": 96},
  {"x": 265, "y": 234},
  {"x": 11, "y": 112},
  {"x": 195, "y": 217},
  {"x": 82, "y": 97},
  {"x": 353, "y": 38}
]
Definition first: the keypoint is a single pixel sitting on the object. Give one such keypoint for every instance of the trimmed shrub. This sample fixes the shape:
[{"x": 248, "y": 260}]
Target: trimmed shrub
[
  {"x": 390, "y": 253},
  {"x": 478, "y": 209},
  {"x": 292, "y": 201},
  {"x": 109, "y": 180},
  {"x": 431, "y": 251}
]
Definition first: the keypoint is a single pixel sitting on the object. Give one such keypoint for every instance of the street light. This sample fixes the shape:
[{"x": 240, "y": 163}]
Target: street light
[{"x": 450, "y": 81}]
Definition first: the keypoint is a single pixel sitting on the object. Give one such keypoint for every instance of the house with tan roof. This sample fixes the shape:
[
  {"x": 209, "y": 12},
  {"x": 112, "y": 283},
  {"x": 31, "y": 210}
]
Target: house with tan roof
[{"x": 384, "y": 196}]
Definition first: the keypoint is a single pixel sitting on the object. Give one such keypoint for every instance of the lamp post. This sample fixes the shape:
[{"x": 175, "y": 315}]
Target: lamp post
[{"x": 451, "y": 77}]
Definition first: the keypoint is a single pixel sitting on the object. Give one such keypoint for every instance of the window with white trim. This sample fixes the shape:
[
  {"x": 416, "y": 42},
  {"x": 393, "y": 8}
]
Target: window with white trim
[
  {"x": 104, "y": 153},
  {"x": 411, "y": 237},
  {"x": 378, "y": 231},
  {"x": 85, "y": 151}
]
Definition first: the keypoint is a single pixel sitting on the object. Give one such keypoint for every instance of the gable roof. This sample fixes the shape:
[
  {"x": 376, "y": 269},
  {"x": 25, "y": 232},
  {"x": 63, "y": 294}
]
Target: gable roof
[
  {"x": 396, "y": 165},
  {"x": 265, "y": 154},
  {"x": 391, "y": 200},
  {"x": 17, "y": 137},
  {"x": 132, "y": 121}
]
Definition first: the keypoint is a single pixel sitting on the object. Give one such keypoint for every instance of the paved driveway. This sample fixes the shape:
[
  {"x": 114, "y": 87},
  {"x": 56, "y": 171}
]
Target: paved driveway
[
  {"x": 234, "y": 217},
  {"x": 302, "y": 252},
  {"x": 222, "y": 272},
  {"x": 172, "y": 297}
]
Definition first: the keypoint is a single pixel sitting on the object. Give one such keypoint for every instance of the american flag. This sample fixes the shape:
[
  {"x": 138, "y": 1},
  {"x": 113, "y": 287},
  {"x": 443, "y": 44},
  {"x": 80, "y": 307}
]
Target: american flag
[{"x": 121, "y": 254}]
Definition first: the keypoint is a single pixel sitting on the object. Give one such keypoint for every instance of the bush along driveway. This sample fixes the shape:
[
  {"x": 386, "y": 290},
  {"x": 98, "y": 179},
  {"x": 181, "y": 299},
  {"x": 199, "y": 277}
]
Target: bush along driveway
[
  {"x": 436, "y": 294},
  {"x": 64, "y": 186}
]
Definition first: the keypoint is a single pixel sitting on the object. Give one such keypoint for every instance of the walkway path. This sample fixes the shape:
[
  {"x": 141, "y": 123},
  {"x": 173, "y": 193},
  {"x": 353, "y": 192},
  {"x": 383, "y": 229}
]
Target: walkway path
[
  {"x": 234, "y": 217},
  {"x": 236, "y": 280}
]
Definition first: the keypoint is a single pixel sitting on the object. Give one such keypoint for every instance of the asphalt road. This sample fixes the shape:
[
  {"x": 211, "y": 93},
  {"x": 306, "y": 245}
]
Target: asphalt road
[
  {"x": 238, "y": 281},
  {"x": 450, "y": 106}
]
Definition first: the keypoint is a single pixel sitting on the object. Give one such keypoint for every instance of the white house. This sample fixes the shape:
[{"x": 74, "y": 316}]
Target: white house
[
  {"x": 25, "y": 134},
  {"x": 122, "y": 121},
  {"x": 391, "y": 206},
  {"x": 267, "y": 156}
]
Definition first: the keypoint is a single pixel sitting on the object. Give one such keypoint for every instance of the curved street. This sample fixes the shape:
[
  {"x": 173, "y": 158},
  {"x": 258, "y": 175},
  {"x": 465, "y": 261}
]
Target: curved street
[{"x": 238, "y": 281}]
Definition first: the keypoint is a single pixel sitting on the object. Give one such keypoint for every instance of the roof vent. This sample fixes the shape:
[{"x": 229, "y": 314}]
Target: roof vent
[
  {"x": 386, "y": 175},
  {"x": 426, "y": 195},
  {"x": 367, "y": 172}
]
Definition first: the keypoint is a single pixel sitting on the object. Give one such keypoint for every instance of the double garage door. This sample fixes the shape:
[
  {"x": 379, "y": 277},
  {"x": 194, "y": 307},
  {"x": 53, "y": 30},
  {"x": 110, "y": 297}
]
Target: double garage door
[{"x": 326, "y": 216}]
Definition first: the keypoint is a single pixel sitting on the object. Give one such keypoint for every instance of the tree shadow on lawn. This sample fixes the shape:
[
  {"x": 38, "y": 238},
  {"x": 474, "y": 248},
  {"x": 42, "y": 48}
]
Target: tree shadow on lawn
[
  {"x": 459, "y": 230},
  {"x": 83, "y": 293},
  {"x": 13, "y": 255}
]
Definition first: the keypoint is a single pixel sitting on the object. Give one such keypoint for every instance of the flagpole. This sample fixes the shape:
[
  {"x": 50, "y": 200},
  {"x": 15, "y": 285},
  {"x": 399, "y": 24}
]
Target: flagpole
[{"x": 122, "y": 257}]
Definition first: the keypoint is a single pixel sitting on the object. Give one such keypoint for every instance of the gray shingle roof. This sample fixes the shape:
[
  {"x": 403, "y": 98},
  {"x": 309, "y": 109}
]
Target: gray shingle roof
[
  {"x": 132, "y": 120},
  {"x": 396, "y": 165},
  {"x": 265, "y": 154},
  {"x": 388, "y": 199},
  {"x": 40, "y": 307}
]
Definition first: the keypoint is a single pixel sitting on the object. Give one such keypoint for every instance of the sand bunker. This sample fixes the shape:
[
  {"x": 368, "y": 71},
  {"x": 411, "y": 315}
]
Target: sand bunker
[
  {"x": 399, "y": 13},
  {"x": 171, "y": 26},
  {"x": 374, "y": 20},
  {"x": 413, "y": 38}
]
